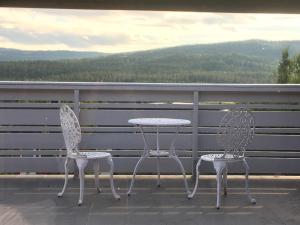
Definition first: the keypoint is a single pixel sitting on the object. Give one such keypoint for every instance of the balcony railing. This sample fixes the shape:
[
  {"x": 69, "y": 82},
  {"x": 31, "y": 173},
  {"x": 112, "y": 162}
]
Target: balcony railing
[{"x": 31, "y": 140}]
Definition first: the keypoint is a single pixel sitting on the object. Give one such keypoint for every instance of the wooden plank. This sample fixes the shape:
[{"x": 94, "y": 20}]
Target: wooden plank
[
  {"x": 35, "y": 95},
  {"x": 93, "y": 140},
  {"x": 63, "y": 152},
  {"x": 121, "y": 117},
  {"x": 125, "y": 129},
  {"x": 29, "y": 117},
  {"x": 252, "y": 106},
  {"x": 139, "y": 152},
  {"x": 260, "y": 142},
  {"x": 126, "y": 165},
  {"x": 282, "y": 131},
  {"x": 35, "y": 105},
  {"x": 134, "y": 141},
  {"x": 262, "y": 118},
  {"x": 135, "y": 96},
  {"x": 250, "y": 97},
  {"x": 157, "y": 106},
  {"x": 30, "y": 129},
  {"x": 231, "y": 6},
  {"x": 88, "y": 129}
]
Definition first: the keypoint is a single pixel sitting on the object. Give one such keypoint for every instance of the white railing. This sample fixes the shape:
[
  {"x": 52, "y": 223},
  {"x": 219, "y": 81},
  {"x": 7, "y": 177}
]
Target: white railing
[{"x": 31, "y": 140}]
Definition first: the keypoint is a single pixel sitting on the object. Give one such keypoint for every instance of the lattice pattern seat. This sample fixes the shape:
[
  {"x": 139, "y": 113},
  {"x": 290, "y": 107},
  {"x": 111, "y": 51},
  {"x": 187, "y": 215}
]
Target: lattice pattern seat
[
  {"x": 72, "y": 136},
  {"x": 236, "y": 131},
  {"x": 227, "y": 157},
  {"x": 91, "y": 155}
]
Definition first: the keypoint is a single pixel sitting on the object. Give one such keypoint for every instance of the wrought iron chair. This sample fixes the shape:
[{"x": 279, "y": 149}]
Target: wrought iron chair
[
  {"x": 72, "y": 137},
  {"x": 236, "y": 131}
]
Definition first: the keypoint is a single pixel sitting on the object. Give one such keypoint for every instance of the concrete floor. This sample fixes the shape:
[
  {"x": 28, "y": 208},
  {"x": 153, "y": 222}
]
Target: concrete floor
[{"x": 29, "y": 200}]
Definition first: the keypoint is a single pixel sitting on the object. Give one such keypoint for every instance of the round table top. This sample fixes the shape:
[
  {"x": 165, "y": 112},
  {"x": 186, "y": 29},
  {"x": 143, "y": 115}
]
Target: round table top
[{"x": 159, "y": 122}]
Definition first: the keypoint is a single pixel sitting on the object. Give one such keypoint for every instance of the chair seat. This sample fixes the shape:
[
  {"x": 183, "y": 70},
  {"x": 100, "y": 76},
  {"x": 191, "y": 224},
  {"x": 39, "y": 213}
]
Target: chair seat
[
  {"x": 92, "y": 155},
  {"x": 213, "y": 157}
]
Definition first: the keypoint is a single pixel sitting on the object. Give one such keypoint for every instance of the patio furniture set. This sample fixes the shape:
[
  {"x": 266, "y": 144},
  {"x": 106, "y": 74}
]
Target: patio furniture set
[{"x": 235, "y": 132}]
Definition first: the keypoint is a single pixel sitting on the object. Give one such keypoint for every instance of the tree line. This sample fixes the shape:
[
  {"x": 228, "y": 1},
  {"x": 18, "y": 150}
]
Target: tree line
[
  {"x": 175, "y": 68},
  {"x": 288, "y": 70}
]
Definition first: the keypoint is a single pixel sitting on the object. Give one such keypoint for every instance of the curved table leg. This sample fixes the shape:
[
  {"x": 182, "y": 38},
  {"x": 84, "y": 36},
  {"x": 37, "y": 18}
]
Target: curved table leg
[
  {"x": 135, "y": 170},
  {"x": 175, "y": 157},
  {"x": 96, "y": 165}
]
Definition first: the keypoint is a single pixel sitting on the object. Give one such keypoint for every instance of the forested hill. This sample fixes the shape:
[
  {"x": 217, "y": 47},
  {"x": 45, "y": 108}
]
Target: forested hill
[
  {"x": 7, "y": 54},
  {"x": 235, "y": 62}
]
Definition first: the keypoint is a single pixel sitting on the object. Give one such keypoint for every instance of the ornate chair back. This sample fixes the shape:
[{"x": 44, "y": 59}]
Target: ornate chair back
[
  {"x": 71, "y": 130},
  {"x": 236, "y": 131}
]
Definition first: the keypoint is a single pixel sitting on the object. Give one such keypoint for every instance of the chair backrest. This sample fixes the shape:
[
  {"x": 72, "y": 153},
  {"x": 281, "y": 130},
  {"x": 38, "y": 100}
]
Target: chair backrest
[
  {"x": 71, "y": 129},
  {"x": 236, "y": 131}
]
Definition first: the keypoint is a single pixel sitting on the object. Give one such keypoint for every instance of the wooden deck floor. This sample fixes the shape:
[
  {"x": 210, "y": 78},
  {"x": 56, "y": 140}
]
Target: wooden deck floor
[{"x": 29, "y": 200}]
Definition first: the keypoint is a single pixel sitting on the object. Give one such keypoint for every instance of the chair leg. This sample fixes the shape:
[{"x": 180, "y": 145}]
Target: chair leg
[
  {"x": 81, "y": 164},
  {"x": 158, "y": 171},
  {"x": 60, "y": 194},
  {"x": 219, "y": 167},
  {"x": 252, "y": 200},
  {"x": 225, "y": 179},
  {"x": 111, "y": 164},
  {"x": 197, "y": 179},
  {"x": 96, "y": 165},
  {"x": 175, "y": 157},
  {"x": 134, "y": 172}
]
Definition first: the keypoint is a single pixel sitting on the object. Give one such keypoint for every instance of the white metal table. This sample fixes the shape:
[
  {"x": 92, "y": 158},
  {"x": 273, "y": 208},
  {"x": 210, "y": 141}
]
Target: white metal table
[{"x": 148, "y": 152}]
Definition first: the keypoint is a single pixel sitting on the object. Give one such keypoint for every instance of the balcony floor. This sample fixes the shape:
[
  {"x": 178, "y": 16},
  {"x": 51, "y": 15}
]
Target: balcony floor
[{"x": 29, "y": 200}]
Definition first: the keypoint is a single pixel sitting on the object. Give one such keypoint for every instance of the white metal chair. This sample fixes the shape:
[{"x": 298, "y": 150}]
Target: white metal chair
[
  {"x": 72, "y": 136},
  {"x": 236, "y": 131}
]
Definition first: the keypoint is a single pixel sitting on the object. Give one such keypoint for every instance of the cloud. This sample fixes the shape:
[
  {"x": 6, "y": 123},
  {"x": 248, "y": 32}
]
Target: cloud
[
  {"x": 121, "y": 30},
  {"x": 68, "y": 39}
]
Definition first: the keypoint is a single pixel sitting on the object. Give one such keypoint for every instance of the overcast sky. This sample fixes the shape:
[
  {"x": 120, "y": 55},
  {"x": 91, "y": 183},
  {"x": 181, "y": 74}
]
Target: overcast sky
[{"x": 120, "y": 31}]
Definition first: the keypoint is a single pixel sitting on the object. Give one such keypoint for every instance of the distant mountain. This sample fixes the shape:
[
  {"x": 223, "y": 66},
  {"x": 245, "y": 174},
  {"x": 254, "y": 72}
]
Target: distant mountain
[
  {"x": 269, "y": 50},
  {"x": 253, "y": 61},
  {"x": 7, "y": 54}
]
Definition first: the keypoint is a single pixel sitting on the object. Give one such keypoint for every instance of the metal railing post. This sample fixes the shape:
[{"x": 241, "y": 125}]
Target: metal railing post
[
  {"x": 76, "y": 101},
  {"x": 195, "y": 132}
]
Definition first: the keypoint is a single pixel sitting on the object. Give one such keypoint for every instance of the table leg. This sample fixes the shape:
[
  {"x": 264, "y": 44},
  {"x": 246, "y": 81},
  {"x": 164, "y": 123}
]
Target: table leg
[
  {"x": 174, "y": 156},
  {"x": 157, "y": 158},
  {"x": 143, "y": 157},
  {"x": 158, "y": 171},
  {"x": 135, "y": 170}
]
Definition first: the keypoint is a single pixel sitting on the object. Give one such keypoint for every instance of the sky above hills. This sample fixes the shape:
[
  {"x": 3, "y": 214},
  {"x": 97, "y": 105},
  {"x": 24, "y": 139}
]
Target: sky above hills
[{"x": 123, "y": 31}]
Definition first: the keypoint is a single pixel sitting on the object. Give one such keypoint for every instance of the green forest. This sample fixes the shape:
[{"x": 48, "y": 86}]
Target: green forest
[{"x": 233, "y": 62}]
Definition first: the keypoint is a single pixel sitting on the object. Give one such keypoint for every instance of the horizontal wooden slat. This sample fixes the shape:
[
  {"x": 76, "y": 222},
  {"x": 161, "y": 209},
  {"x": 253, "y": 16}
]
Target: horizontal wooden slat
[
  {"x": 262, "y": 118},
  {"x": 47, "y": 152},
  {"x": 130, "y": 129},
  {"x": 121, "y": 117},
  {"x": 35, "y": 95},
  {"x": 265, "y": 106},
  {"x": 119, "y": 105},
  {"x": 29, "y": 117},
  {"x": 135, "y": 96},
  {"x": 139, "y": 152},
  {"x": 265, "y": 142},
  {"x": 250, "y": 97},
  {"x": 32, "y": 105},
  {"x": 93, "y": 140},
  {"x": 282, "y": 131}
]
